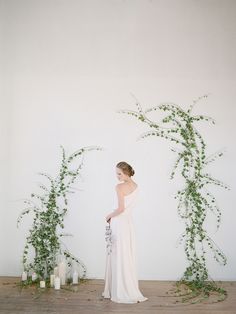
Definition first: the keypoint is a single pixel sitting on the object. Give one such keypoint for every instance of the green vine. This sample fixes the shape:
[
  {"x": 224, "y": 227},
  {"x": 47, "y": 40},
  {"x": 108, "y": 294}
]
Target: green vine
[
  {"x": 49, "y": 209},
  {"x": 194, "y": 200}
]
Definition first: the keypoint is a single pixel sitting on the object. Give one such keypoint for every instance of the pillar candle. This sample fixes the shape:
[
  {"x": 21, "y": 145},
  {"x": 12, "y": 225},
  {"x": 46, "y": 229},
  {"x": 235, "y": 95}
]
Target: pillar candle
[
  {"x": 24, "y": 276},
  {"x": 52, "y": 279},
  {"x": 34, "y": 276},
  {"x": 75, "y": 277},
  {"x": 62, "y": 272},
  {"x": 55, "y": 271},
  {"x": 42, "y": 284},
  {"x": 57, "y": 283}
]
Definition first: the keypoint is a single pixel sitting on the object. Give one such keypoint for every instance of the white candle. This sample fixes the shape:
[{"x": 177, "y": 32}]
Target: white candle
[
  {"x": 75, "y": 277},
  {"x": 57, "y": 283},
  {"x": 56, "y": 271},
  {"x": 52, "y": 279},
  {"x": 42, "y": 284},
  {"x": 34, "y": 276},
  {"x": 62, "y": 272},
  {"x": 24, "y": 276}
]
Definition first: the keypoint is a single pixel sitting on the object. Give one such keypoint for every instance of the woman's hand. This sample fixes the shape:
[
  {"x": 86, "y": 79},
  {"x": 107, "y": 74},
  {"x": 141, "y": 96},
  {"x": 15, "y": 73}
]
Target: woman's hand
[{"x": 108, "y": 218}]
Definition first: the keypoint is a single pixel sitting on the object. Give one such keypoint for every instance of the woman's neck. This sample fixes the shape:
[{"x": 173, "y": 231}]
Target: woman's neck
[{"x": 128, "y": 180}]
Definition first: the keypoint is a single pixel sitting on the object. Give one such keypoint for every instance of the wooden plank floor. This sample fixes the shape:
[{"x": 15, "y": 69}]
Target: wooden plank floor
[{"x": 88, "y": 300}]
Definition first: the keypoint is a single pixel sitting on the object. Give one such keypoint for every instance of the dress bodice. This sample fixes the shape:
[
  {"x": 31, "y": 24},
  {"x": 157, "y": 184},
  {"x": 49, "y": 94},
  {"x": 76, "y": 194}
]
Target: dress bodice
[{"x": 130, "y": 201}]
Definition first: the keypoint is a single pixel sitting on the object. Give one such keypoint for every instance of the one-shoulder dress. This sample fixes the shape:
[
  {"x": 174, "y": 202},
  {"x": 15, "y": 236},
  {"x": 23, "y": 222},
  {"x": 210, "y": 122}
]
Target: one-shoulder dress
[{"x": 121, "y": 281}]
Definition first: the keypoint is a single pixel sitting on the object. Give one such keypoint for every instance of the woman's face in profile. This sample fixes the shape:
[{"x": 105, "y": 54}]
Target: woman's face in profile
[{"x": 120, "y": 174}]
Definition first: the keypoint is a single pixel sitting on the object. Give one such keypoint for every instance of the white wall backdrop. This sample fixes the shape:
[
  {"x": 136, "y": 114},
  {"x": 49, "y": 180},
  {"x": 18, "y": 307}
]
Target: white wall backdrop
[{"x": 69, "y": 66}]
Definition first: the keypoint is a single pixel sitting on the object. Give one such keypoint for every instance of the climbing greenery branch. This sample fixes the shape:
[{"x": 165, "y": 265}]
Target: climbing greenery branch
[
  {"x": 194, "y": 200},
  {"x": 49, "y": 209}
]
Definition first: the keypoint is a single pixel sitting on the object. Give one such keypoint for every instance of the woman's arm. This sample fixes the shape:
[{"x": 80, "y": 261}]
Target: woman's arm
[{"x": 121, "y": 205}]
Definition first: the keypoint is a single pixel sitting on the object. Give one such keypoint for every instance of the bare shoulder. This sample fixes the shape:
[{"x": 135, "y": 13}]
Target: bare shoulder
[{"x": 120, "y": 187}]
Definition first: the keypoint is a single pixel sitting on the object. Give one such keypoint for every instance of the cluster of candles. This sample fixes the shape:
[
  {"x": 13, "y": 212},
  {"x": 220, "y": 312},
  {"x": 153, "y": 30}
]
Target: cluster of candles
[{"x": 57, "y": 279}]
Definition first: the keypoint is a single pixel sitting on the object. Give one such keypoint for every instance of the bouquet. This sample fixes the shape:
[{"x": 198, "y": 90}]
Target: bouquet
[{"x": 108, "y": 238}]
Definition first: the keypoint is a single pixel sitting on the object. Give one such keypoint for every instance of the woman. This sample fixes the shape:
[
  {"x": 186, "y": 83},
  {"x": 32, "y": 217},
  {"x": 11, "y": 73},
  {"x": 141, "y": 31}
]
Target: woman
[{"x": 121, "y": 283}]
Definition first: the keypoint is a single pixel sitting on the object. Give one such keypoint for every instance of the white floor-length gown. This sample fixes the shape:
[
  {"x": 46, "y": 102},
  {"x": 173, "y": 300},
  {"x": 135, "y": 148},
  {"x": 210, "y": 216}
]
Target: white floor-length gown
[{"x": 121, "y": 282}]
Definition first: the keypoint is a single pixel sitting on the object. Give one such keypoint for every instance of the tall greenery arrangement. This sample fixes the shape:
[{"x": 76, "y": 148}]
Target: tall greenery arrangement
[
  {"x": 194, "y": 200},
  {"x": 49, "y": 209}
]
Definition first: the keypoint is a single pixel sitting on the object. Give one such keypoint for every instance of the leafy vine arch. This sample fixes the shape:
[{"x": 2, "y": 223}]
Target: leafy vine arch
[
  {"x": 194, "y": 200},
  {"x": 48, "y": 209}
]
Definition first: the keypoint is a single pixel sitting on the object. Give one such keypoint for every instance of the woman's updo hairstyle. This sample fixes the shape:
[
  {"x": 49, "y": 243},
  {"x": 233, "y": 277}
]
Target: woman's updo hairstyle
[{"x": 126, "y": 168}]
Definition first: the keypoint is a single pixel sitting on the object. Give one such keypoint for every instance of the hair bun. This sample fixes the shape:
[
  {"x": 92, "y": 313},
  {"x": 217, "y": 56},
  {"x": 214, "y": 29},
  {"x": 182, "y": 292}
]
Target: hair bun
[{"x": 132, "y": 172}]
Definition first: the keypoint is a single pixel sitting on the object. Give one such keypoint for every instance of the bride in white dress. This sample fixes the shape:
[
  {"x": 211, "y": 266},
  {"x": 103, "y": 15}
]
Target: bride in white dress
[{"x": 121, "y": 282}]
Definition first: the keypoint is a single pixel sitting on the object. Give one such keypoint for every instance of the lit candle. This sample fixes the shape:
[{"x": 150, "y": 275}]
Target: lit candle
[
  {"x": 57, "y": 283},
  {"x": 42, "y": 284},
  {"x": 34, "y": 276},
  {"x": 75, "y": 277},
  {"x": 52, "y": 279},
  {"x": 62, "y": 272},
  {"x": 24, "y": 276}
]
